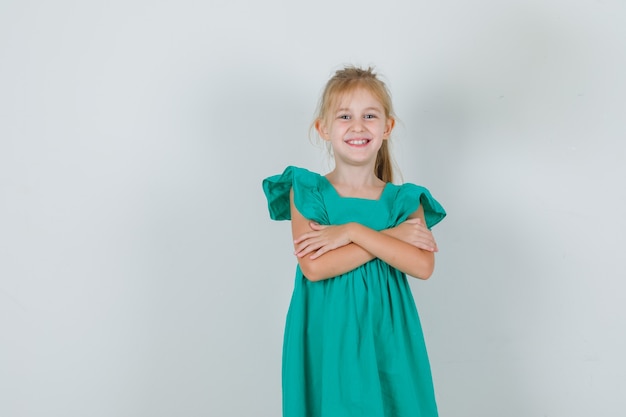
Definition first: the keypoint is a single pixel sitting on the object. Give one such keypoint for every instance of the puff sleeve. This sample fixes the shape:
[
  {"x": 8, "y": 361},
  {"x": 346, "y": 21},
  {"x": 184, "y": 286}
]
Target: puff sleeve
[
  {"x": 408, "y": 199},
  {"x": 307, "y": 196}
]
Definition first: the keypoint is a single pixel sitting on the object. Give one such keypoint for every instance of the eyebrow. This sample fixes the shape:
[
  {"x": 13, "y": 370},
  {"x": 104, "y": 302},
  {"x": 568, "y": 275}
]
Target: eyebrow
[{"x": 378, "y": 109}]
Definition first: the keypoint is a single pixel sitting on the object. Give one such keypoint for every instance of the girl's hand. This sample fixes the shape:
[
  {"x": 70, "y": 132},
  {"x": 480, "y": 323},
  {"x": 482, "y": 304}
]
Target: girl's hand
[
  {"x": 321, "y": 240},
  {"x": 415, "y": 232}
]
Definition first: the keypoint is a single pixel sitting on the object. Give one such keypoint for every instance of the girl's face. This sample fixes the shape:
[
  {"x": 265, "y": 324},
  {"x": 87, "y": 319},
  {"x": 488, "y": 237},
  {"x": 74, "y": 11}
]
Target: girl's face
[{"x": 356, "y": 127}]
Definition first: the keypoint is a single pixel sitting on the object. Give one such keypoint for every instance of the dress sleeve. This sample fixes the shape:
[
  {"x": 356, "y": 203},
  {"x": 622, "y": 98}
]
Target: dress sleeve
[
  {"x": 307, "y": 196},
  {"x": 408, "y": 200}
]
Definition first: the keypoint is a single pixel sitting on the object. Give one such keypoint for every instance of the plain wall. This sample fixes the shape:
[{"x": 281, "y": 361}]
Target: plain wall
[{"x": 140, "y": 274}]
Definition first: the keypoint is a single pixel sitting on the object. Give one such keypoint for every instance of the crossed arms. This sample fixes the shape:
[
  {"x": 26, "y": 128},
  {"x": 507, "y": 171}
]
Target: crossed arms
[{"x": 328, "y": 251}]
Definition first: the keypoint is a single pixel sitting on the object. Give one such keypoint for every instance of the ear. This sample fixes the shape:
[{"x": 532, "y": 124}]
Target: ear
[
  {"x": 390, "y": 124},
  {"x": 321, "y": 129}
]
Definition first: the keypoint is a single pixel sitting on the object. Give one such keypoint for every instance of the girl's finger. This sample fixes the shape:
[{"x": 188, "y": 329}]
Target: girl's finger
[
  {"x": 318, "y": 253},
  {"x": 304, "y": 251},
  {"x": 305, "y": 236},
  {"x": 316, "y": 226},
  {"x": 308, "y": 246}
]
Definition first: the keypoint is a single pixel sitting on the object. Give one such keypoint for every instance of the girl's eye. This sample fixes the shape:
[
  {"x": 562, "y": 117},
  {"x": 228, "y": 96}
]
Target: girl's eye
[
  {"x": 370, "y": 116},
  {"x": 344, "y": 116}
]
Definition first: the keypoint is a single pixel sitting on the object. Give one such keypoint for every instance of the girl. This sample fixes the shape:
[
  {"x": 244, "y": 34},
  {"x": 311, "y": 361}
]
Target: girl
[{"x": 353, "y": 342}]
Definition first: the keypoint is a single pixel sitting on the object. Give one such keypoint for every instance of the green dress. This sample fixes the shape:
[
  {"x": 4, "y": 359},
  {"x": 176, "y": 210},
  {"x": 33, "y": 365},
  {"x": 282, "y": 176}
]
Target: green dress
[{"x": 353, "y": 344}]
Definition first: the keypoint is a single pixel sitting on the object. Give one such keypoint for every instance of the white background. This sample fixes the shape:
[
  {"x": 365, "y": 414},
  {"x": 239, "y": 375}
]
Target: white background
[{"x": 140, "y": 274}]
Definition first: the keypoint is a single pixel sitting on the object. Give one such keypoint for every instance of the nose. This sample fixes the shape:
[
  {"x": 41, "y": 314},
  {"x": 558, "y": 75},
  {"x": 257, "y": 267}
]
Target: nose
[{"x": 357, "y": 125}]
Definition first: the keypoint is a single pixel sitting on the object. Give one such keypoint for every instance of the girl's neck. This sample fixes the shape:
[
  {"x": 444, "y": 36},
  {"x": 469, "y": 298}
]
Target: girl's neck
[{"x": 354, "y": 177}]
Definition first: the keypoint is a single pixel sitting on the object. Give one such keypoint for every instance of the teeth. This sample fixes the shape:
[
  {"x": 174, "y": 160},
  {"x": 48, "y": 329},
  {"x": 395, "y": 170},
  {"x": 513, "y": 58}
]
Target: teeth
[{"x": 358, "y": 142}]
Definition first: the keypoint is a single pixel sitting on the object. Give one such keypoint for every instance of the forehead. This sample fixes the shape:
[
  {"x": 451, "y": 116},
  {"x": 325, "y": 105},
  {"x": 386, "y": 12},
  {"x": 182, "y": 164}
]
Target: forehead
[{"x": 358, "y": 97}]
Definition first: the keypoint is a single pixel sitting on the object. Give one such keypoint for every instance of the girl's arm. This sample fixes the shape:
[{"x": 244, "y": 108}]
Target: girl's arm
[
  {"x": 328, "y": 251},
  {"x": 335, "y": 262}
]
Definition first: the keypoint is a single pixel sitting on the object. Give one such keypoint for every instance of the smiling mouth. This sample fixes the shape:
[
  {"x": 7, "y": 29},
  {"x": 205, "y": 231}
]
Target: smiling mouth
[{"x": 357, "y": 142}]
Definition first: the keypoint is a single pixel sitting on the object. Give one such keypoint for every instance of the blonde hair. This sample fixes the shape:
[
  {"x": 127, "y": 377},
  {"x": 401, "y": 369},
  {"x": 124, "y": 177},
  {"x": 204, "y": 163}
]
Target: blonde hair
[{"x": 346, "y": 81}]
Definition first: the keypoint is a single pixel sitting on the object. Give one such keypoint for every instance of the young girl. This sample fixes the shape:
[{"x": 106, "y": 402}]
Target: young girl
[{"x": 353, "y": 340}]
